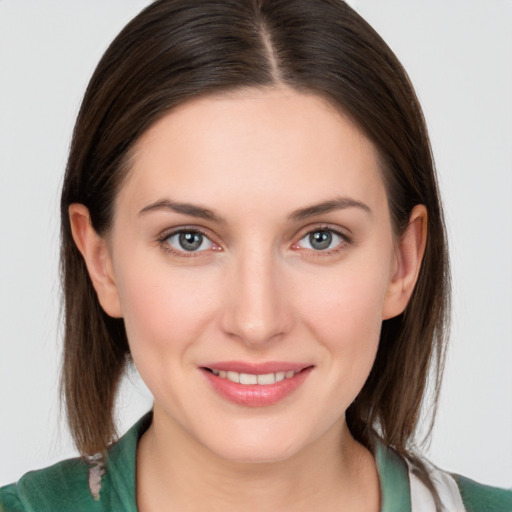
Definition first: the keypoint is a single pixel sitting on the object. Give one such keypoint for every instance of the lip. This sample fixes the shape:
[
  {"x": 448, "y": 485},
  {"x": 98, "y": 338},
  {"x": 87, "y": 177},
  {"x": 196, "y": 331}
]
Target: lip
[
  {"x": 256, "y": 395},
  {"x": 257, "y": 368}
]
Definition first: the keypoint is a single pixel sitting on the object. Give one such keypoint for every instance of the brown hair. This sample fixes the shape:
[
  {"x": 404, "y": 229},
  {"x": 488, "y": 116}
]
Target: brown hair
[{"x": 176, "y": 50}]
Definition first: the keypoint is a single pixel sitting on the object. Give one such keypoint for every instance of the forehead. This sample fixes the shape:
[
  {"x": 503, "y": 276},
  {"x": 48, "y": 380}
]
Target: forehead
[{"x": 273, "y": 144}]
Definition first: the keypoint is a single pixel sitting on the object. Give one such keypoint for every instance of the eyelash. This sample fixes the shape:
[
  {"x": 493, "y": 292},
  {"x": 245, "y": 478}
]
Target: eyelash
[
  {"x": 340, "y": 246},
  {"x": 163, "y": 241}
]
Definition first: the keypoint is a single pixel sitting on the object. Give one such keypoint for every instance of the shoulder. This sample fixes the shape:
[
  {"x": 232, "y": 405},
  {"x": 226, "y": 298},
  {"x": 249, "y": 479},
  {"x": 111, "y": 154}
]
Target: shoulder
[
  {"x": 77, "y": 485},
  {"x": 454, "y": 492},
  {"x": 410, "y": 482},
  {"x": 63, "y": 486},
  {"x": 483, "y": 498}
]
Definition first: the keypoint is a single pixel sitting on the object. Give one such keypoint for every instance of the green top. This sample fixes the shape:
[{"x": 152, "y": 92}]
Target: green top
[{"x": 66, "y": 485}]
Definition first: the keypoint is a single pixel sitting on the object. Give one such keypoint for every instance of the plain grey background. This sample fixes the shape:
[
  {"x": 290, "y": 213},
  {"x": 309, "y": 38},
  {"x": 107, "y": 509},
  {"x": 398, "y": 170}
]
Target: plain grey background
[{"x": 458, "y": 54}]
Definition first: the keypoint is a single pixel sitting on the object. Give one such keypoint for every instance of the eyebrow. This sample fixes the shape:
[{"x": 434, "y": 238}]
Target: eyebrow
[
  {"x": 185, "y": 208},
  {"x": 338, "y": 203}
]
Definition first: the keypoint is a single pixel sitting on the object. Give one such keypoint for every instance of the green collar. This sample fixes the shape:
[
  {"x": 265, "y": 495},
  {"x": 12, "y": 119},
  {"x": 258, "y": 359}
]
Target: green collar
[
  {"x": 121, "y": 464},
  {"x": 394, "y": 479}
]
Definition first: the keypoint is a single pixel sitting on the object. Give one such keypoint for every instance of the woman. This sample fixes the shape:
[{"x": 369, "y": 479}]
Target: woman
[{"x": 250, "y": 212}]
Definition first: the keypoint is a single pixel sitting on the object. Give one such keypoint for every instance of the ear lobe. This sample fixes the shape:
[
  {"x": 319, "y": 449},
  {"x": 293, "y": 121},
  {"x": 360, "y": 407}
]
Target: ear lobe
[
  {"x": 410, "y": 251},
  {"x": 94, "y": 250}
]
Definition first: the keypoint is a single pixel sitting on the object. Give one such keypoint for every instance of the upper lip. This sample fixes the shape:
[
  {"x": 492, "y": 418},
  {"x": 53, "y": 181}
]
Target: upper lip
[{"x": 257, "y": 368}]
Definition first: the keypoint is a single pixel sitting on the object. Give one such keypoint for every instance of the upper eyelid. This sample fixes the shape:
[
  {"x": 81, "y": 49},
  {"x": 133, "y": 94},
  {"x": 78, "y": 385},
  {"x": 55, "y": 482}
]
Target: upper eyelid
[
  {"x": 167, "y": 247},
  {"x": 345, "y": 242},
  {"x": 343, "y": 232},
  {"x": 166, "y": 233},
  {"x": 344, "y": 239}
]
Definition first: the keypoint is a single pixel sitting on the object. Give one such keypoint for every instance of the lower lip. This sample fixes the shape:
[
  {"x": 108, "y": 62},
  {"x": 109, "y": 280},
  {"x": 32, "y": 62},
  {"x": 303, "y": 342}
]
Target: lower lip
[{"x": 256, "y": 395}]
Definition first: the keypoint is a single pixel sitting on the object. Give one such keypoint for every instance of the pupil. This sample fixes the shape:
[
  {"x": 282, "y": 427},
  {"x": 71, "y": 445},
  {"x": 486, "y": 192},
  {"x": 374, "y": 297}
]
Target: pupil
[
  {"x": 320, "y": 240},
  {"x": 190, "y": 241}
]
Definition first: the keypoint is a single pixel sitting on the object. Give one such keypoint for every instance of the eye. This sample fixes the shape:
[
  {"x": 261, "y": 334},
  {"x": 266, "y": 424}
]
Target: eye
[
  {"x": 189, "y": 241},
  {"x": 321, "y": 240}
]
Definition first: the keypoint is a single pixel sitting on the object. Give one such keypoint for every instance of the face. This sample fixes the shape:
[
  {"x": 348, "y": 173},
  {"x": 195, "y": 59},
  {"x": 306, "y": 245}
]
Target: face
[{"x": 252, "y": 242}]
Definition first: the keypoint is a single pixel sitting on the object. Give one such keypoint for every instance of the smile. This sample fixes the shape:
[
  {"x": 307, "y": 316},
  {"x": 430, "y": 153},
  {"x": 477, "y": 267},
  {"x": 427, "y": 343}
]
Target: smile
[
  {"x": 256, "y": 385},
  {"x": 264, "y": 379}
]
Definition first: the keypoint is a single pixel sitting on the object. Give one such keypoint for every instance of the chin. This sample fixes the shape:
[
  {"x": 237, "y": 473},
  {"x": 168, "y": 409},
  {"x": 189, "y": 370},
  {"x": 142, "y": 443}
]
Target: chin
[
  {"x": 257, "y": 445},
  {"x": 256, "y": 454}
]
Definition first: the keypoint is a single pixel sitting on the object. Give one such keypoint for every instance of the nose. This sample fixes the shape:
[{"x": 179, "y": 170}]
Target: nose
[{"x": 257, "y": 309}]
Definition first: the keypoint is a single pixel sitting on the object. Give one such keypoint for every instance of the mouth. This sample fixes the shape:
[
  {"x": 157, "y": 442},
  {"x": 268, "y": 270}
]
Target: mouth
[
  {"x": 246, "y": 379},
  {"x": 256, "y": 385}
]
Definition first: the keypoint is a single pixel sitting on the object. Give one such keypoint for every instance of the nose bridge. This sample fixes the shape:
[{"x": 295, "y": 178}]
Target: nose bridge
[{"x": 256, "y": 311}]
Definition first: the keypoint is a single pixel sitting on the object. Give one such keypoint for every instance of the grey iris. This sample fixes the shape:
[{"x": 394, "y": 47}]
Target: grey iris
[
  {"x": 320, "y": 240},
  {"x": 190, "y": 241}
]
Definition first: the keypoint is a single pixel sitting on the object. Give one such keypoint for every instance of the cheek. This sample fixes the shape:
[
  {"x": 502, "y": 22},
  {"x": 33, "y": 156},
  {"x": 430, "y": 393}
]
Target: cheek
[
  {"x": 165, "y": 313},
  {"x": 346, "y": 317},
  {"x": 349, "y": 328},
  {"x": 350, "y": 302},
  {"x": 163, "y": 310}
]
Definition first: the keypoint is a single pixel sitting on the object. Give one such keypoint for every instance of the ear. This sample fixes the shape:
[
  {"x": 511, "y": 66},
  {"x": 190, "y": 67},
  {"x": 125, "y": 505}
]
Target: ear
[
  {"x": 410, "y": 250},
  {"x": 94, "y": 250}
]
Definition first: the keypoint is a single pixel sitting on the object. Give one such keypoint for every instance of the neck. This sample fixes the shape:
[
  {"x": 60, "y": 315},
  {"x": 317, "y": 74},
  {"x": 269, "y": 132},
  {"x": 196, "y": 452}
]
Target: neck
[{"x": 175, "y": 472}]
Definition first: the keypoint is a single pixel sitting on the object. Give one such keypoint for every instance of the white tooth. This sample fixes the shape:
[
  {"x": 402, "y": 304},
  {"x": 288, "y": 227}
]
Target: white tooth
[
  {"x": 247, "y": 378},
  {"x": 279, "y": 376},
  {"x": 222, "y": 373},
  {"x": 268, "y": 378},
  {"x": 289, "y": 374},
  {"x": 233, "y": 376},
  {"x": 215, "y": 372}
]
